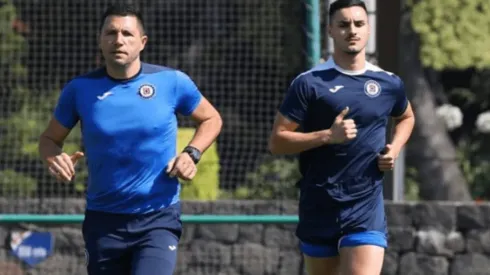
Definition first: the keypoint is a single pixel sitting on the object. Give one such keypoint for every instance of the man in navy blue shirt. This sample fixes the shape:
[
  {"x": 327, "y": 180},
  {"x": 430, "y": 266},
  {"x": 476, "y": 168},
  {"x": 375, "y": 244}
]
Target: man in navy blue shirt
[
  {"x": 342, "y": 107},
  {"x": 127, "y": 111}
]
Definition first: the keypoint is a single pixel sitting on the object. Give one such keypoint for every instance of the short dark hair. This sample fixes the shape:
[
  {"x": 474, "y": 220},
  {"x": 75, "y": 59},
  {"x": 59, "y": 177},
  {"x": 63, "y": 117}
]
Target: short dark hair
[
  {"x": 342, "y": 4},
  {"x": 120, "y": 9}
]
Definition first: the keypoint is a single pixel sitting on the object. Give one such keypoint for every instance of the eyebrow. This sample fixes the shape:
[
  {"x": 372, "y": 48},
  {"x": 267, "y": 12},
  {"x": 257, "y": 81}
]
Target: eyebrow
[{"x": 348, "y": 21}]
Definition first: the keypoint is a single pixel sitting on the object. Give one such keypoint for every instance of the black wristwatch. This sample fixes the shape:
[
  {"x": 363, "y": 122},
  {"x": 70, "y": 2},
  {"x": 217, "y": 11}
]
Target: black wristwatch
[{"x": 194, "y": 153}]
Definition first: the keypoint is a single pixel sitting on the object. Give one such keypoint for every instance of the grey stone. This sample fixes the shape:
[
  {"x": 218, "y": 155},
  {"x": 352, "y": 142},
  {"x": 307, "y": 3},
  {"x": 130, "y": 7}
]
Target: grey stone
[
  {"x": 290, "y": 262},
  {"x": 202, "y": 270},
  {"x": 455, "y": 242},
  {"x": 254, "y": 259},
  {"x": 478, "y": 241},
  {"x": 401, "y": 239},
  {"x": 253, "y": 233},
  {"x": 470, "y": 217},
  {"x": 399, "y": 215},
  {"x": 414, "y": 264},
  {"x": 188, "y": 234},
  {"x": 67, "y": 238},
  {"x": 432, "y": 242},
  {"x": 184, "y": 257},
  {"x": 226, "y": 233},
  {"x": 435, "y": 216},
  {"x": 60, "y": 264},
  {"x": 470, "y": 264},
  {"x": 11, "y": 268},
  {"x": 276, "y": 237},
  {"x": 277, "y": 208},
  {"x": 195, "y": 207},
  {"x": 210, "y": 254},
  {"x": 390, "y": 264}
]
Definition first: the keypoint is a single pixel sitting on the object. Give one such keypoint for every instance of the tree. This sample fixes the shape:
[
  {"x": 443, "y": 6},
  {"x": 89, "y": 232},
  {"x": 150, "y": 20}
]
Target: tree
[{"x": 437, "y": 37}]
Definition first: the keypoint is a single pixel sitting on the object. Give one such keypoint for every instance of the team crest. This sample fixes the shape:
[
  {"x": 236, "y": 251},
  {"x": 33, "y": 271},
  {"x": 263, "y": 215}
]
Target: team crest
[
  {"x": 372, "y": 88},
  {"x": 146, "y": 91}
]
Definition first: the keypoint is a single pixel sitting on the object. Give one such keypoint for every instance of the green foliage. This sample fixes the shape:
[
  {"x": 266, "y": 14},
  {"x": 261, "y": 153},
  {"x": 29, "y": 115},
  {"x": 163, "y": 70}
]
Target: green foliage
[
  {"x": 205, "y": 185},
  {"x": 453, "y": 33},
  {"x": 20, "y": 142},
  {"x": 475, "y": 164},
  {"x": 411, "y": 184},
  {"x": 274, "y": 178},
  {"x": 25, "y": 126},
  {"x": 13, "y": 184},
  {"x": 13, "y": 48}
]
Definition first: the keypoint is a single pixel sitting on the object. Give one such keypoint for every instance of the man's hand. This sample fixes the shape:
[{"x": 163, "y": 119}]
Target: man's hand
[
  {"x": 386, "y": 159},
  {"x": 182, "y": 166},
  {"x": 62, "y": 166},
  {"x": 343, "y": 130}
]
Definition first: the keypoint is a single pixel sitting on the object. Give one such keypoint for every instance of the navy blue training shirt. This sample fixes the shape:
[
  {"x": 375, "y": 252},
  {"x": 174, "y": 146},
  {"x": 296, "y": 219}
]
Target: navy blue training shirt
[
  {"x": 314, "y": 98},
  {"x": 129, "y": 130}
]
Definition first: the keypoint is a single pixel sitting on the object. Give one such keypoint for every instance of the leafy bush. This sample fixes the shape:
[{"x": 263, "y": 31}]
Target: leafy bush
[
  {"x": 453, "y": 34},
  {"x": 274, "y": 178},
  {"x": 13, "y": 184}
]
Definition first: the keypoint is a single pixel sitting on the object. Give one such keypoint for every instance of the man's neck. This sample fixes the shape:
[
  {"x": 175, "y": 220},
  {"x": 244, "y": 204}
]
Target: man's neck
[
  {"x": 124, "y": 72},
  {"x": 349, "y": 62}
]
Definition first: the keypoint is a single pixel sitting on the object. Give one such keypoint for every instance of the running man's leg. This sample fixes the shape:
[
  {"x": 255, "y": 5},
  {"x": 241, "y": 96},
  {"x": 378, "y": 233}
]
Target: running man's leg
[
  {"x": 156, "y": 253},
  {"x": 155, "y": 241},
  {"x": 106, "y": 249},
  {"x": 320, "y": 260},
  {"x": 362, "y": 249},
  {"x": 362, "y": 253}
]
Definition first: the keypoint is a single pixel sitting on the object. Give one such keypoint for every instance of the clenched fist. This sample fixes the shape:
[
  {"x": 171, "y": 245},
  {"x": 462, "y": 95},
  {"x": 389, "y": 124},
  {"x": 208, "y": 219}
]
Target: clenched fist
[
  {"x": 343, "y": 130},
  {"x": 182, "y": 166},
  {"x": 62, "y": 166},
  {"x": 386, "y": 159}
]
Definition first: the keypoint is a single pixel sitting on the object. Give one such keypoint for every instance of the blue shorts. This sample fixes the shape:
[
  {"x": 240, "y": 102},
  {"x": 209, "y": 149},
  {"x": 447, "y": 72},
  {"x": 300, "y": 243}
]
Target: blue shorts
[
  {"x": 328, "y": 224},
  {"x": 376, "y": 238},
  {"x": 120, "y": 244}
]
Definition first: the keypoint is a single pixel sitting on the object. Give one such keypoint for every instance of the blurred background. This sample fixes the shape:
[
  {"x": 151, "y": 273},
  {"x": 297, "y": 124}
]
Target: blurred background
[{"x": 243, "y": 55}]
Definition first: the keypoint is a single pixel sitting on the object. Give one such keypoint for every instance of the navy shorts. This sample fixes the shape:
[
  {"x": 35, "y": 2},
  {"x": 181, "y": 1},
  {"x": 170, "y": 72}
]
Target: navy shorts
[
  {"x": 326, "y": 225},
  {"x": 120, "y": 244}
]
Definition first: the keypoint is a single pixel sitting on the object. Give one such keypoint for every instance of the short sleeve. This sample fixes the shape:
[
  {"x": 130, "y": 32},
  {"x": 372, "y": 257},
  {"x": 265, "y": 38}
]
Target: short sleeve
[
  {"x": 188, "y": 95},
  {"x": 298, "y": 97},
  {"x": 401, "y": 101},
  {"x": 66, "y": 111}
]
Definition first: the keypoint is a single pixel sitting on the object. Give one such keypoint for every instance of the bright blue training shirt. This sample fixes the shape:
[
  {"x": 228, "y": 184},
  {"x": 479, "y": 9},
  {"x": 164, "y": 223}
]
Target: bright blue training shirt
[
  {"x": 129, "y": 131},
  {"x": 345, "y": 171}
]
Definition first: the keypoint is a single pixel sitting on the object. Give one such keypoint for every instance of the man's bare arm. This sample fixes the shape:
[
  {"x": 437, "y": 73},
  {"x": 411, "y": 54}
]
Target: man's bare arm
[
  {"x": 52, "y": 139},
  {"x": 403, "y": 129},
  {"x": 284, "y": 139},
  {"x": 209, "y": 125},
  {"x": 60, "y": 164}
]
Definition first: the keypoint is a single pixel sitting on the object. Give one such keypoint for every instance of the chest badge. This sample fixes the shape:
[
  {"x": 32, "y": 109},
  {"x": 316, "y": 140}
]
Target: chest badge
[
  {"x": 372, "y": 88},
  {"x": 146, "y": 91}
]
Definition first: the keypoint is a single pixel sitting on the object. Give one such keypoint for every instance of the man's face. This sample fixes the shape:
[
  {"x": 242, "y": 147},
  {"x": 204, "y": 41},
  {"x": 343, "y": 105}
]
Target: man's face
[
  {"x": 121, "y": 40},
  {"x": 349, "y": 30}
]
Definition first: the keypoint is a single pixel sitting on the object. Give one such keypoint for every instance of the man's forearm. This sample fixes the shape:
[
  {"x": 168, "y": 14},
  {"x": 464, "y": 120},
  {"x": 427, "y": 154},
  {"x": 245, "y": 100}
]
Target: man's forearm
[
  {"x": 403, "y": 130},
  {"x": 206, "y": 133},
  {"x": 289, "y": 142},
  {"x": 48, "y": 148}
]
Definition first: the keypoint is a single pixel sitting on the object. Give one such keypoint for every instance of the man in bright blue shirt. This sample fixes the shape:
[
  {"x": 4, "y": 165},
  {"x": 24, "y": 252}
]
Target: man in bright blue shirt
[
  {"x": 342, "y": 108},
  {"x": 127, "y": 111}
]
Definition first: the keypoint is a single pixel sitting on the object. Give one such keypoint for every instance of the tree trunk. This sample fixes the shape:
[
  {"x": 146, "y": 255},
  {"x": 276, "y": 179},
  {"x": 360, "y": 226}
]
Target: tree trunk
[{"x": 440, "y": 176}]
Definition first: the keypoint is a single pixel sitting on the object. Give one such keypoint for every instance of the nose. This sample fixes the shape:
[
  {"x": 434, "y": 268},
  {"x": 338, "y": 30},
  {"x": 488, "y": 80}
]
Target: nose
[{"x": 118, "y": 39}]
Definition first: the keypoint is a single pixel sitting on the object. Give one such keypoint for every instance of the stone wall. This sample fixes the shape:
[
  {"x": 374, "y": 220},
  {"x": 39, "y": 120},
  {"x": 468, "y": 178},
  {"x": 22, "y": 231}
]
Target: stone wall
[{"x": 425, "y": 238}]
